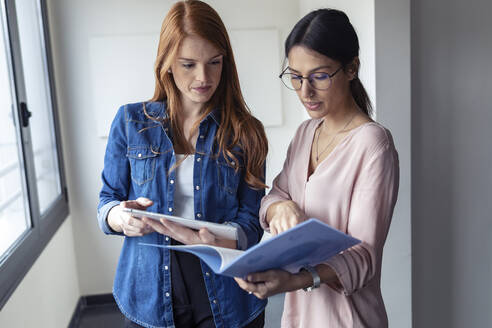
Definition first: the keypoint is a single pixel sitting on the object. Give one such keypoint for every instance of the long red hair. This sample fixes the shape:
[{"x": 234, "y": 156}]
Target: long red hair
[{"x": 237, "y": 127}]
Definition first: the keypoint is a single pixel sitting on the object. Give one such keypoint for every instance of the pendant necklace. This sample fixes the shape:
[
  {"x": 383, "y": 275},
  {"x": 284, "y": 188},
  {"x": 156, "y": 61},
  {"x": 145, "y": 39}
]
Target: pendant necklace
[{"x": 318, "y": 154}]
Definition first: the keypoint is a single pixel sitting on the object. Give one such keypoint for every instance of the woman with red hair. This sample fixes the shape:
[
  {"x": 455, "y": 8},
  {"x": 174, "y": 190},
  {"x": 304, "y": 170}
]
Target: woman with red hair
[{"x": 194, "y": 150}]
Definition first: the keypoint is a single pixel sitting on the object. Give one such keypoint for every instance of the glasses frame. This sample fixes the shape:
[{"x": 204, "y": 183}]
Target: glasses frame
[{"x": 308, "y": 78}]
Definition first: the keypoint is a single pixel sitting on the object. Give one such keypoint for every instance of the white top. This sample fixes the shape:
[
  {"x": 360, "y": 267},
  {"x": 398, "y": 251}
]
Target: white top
[{"x": 183, "y": 194}]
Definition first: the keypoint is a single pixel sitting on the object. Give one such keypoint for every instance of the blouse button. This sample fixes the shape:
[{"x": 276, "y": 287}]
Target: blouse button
[
  {"x": 207, "y": 274},
  {"x": 170, "y": 209},
  {"x": 198, "y": 215},
  {"x": 197, "y": 187},
  {"x": 139, "y": 155},
  {"x": 198, "y": 159}
]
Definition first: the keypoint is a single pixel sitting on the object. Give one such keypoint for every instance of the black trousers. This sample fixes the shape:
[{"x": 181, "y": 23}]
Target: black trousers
[
  {"x": 258, "y": 322},
  {"x": 191, "y": 306}
]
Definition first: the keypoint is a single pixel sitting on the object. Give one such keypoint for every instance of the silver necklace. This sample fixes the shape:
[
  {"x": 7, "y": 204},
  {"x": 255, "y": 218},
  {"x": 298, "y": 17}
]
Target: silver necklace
[{"x": 318, "y": 154}]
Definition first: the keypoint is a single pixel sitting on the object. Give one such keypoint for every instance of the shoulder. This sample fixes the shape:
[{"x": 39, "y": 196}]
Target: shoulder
[
  {"x": 142, "y": 111},
  {"x": 372, "y": 138}
]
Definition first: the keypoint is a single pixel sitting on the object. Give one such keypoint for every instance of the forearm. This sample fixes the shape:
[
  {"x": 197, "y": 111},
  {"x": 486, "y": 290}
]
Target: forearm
[
  {"x": 226, "y": 243},
  {"x": 304, "y": 279}
]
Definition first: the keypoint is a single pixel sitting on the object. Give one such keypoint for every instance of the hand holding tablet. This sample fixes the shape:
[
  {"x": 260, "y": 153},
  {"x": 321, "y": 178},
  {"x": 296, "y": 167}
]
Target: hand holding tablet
[{"x": 220, "y": 230}]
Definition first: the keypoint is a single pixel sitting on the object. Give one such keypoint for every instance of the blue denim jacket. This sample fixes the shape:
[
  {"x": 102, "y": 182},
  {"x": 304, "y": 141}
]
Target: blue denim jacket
[{"x": 138, "y": 157}]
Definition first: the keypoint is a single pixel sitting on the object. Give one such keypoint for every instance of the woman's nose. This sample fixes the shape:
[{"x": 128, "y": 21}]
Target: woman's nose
[
  {"x": 307, "y": 91},
  {"x": 201, "y": 73}
]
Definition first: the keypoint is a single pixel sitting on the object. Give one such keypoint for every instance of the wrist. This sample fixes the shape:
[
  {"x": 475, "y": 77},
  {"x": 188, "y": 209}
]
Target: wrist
[
  {"x": 112, "y": 221},
  {"x": 272, "y": 209},
  {"x": 315, "y": 278},
  {"x": 303, "y": 279}
]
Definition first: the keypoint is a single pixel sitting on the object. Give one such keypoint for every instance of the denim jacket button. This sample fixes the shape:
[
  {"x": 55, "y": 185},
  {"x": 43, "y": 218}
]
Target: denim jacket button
[
  {"x": 198, "y": 215},
  {"x": 171, "y": 181},
  {"x": 198, "y": 159},
  {"x": 197, "y": 187},
  {"x": 166, "y": 267},
  {"x": 202, "y": 136},
  {"x": 167, "y": 294},
  {"x": 207, "y": 274},
  {"x": 167, "y": 238},
  {"x": 170, "y": 209},
  {"x": 139, "y": 155},
  {"x": 215, "y": 301}
]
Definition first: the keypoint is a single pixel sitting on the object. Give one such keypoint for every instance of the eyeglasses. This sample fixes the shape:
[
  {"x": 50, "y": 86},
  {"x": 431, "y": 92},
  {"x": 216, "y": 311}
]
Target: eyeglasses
[{"x": 318, "y": 80}]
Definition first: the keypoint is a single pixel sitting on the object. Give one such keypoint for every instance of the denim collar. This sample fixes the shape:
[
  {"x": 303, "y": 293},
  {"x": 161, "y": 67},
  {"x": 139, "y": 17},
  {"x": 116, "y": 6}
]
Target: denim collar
[{"x": 159, "y": 109}]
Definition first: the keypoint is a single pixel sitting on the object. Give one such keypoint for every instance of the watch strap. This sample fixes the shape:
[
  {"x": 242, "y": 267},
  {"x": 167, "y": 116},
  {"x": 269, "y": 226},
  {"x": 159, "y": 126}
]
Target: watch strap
[{"x": 315, "y": 276}]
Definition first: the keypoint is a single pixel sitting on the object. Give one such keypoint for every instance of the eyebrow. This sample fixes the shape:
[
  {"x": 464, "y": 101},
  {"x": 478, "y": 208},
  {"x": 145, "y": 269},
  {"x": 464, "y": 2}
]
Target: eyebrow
[
  {"x": 311, "y": 71},
  {"x": 194, "y": 60}
]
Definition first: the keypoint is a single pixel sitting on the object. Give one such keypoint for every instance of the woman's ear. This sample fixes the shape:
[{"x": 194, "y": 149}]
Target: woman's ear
[{"x": 353, "y": 68}]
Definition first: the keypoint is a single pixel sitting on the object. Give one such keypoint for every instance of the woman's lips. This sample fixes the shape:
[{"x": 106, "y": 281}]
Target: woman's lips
[
  {"x": 202, "y": 89},
  {"x": 312, "y": 105}
]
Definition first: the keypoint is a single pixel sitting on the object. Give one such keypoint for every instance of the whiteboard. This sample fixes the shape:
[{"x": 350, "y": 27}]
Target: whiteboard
[{"x": 122, "y": 71}]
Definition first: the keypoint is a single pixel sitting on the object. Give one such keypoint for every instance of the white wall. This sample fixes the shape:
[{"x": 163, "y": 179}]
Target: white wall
[
  {"x": 74, "y": 23},
  {"x": 451, "y": 163},
  {"x": 47, "y": 295}
]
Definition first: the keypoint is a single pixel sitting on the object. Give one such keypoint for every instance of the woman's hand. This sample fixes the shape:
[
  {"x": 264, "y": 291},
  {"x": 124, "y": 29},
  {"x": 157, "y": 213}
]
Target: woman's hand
[
  {"x": 188, "y": 236},
  {"x": 121, "y": 221},
  {"x": 272, "y": 282},
  {"x": 284, "y": 215}
]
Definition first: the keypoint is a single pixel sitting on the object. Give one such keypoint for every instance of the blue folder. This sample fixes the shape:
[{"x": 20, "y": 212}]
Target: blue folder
[{"x": 309, "y": 243}]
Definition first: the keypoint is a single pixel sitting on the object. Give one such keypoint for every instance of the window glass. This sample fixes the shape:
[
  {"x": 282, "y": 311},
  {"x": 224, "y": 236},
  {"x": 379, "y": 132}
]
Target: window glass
[
  {"x": 13, "y": 215},
  {"x": 36, "y": 82}
]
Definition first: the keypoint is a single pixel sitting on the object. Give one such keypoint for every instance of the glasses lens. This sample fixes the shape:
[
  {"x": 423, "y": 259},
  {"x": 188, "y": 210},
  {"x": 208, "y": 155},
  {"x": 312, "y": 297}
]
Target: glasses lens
[
  {"x": 291, "y": 81},
  {"x": 320, "y": 81}
]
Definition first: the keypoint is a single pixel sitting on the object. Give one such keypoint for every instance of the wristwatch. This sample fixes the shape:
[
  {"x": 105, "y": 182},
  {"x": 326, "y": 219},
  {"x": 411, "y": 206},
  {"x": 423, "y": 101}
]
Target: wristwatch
[{"x": 315, "y": 276}]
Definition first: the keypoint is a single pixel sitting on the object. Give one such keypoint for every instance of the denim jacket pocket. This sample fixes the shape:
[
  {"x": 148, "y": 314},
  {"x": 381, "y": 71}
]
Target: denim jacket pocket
[
  {"x": 142, "y": 163},
  {"x": 227, "y": 176}
]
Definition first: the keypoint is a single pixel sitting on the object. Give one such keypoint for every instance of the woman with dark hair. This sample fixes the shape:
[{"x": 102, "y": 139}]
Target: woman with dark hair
[
  {"x": 194, "y": 150},
  {"x": 341, "y": 168}
]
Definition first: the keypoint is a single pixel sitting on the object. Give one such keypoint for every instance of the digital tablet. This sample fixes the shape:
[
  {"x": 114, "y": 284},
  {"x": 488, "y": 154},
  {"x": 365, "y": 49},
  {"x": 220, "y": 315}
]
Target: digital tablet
[{"x": 220, "y": 230}]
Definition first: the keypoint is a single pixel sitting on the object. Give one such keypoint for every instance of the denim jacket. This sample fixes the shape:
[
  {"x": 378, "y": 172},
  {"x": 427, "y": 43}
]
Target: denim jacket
[{"x": 137, "y": 163}]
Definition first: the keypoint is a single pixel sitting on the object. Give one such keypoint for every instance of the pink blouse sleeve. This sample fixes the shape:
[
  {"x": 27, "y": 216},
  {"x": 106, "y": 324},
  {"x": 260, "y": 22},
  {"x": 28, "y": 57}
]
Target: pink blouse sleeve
[
  {"x": 279, "y": 191},
  {"x": 371, "y": 209}
]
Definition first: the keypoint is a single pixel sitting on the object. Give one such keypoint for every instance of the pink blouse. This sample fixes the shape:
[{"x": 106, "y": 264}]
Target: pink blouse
[{"x": 354, "y": 189}]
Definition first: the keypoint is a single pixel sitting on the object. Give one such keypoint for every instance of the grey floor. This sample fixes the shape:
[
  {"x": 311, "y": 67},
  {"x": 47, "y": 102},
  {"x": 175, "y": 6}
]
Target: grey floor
[{"x": 108, "y": 316}]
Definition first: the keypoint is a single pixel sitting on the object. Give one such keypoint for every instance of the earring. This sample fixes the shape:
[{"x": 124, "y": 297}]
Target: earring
[{"x": 169, "y": 71}]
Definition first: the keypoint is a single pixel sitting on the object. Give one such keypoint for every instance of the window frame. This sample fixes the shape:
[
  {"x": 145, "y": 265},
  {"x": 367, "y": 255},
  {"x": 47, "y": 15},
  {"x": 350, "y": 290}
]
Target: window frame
[{"x": 24, "y": 252}]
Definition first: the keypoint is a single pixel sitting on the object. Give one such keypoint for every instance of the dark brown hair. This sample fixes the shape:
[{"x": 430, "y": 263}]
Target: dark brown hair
[{"x": 329, "y": 32}]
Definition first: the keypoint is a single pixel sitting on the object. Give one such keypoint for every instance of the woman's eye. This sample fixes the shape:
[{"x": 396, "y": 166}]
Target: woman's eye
[
  {"x": 215, "y": 62},
  {"x": 295, "y": 77},
  {"x": 188, "y": 65},
  {"x": 319, "y": 76}
]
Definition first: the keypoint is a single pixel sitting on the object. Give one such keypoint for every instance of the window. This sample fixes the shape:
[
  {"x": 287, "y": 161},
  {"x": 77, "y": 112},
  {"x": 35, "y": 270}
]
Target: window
[{"x": 33, "y": 199}]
